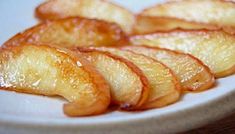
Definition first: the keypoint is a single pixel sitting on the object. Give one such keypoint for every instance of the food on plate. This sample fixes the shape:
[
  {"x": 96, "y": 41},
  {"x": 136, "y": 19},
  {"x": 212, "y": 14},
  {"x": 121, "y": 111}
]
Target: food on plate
[
  {"x": 44, "y": 70},
  {"x": 192, "y": 73},
  {"x": 129, "y": 86},
  {"x": 150, "y": 24},
  {"x": 72, "y": 32},
  {"x": 216, "y": 49},
  {"x": 213, "y": 12},
  {"x": 96, "y": 54},
  {"x": 164, "y": 86},
  {"x": 98, "y": 9}
]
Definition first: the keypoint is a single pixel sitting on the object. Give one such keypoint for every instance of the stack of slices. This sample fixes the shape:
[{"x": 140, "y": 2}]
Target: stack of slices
[{"x": 96, "y": 54}]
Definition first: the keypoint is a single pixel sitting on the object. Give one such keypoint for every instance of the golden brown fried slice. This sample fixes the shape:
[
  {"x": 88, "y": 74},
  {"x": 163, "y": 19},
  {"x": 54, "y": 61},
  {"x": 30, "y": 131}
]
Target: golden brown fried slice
[
  {"x": 214, "y": 12},
  {"x": 71, "y": 32},
  {"x": 129, "y": 86},
  {"x": 149, "y": 24},
  {"x": 215, "y": 48},
  {"x": 51, "y": 71},
  {"x": 98, "y": 9},
  {"x": 192, "y": 73},
  {"x": 162, "y": 81}
]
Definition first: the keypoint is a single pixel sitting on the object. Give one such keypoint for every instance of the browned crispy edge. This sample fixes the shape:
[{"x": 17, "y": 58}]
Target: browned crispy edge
[
  {"x": 163, "y": 100},
  {"x": 23, "y": 36},
  {"x": 205, "y": 26},
  {"x": 179, "y": 30}
]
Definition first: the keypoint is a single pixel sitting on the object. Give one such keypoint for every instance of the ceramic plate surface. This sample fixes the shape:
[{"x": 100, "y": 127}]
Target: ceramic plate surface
[{"x": 31, "y": 114}]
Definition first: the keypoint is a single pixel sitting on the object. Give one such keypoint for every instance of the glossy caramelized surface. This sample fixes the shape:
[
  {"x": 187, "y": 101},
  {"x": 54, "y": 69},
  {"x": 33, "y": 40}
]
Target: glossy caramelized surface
[
  {"x": 98, "y": 9},
  {"x": 192, "y": 73},
  {"x": 129, "y": 86},
  {"x": 216, "y": 12},
  {"x": 71, "y": 32},
  {"x": 49, "y": 71},
  {"x": 214, "y": 48},
  {"x": 162, "y": 81},
  {"x": 149, "y": 24}
]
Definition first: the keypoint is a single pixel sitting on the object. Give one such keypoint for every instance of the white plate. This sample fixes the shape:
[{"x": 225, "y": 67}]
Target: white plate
[{"x": 30, "y": 114}]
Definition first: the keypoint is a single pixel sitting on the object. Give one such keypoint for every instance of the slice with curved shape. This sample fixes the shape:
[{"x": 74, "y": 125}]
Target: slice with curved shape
[
  {"x": 192, "y": 73},
  {"x": 55, "y": 72},
  {"x": 70, "y": 32},
  {"x": 129, "y": 86},
  {"x": 216, "y": 49},
  {"x": 213, "y": 12},
  {"x": 150, "y": 24},
  {"x": 95, "y": 9},
  {"x": 162, "y": 81}
]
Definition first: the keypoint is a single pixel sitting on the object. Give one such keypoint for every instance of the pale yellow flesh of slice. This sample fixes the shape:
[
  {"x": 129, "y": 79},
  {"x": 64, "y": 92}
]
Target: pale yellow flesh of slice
[
  {"x": 96, "y": 9},
  {"x": 216, "y": 49},
  {"x": 214, "y": 12},
  {"x": 193, "y": 74},
  {"x": 162, "y": 80},
  {"x": 129, "y": 87},
  {"x": 71, "y": 32},
  {"x": 47, "y": 71}
]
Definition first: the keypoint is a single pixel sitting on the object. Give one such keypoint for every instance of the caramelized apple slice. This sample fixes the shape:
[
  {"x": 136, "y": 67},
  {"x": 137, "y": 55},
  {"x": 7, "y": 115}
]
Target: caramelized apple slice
[
  {"x": 162, "y": 81},
  {"x": 51, "y": 71},
  {"x": 98, "y": 9},
  {"x": 150, "y": 24},
  {"x": 213, "y": 12},
  {"x": 192, "y": 73},
  {"x": 167, "y": 99},
  {"x": 215, "y": 48},
  {"x": 71, "y": 32},
  {"x": 129, "y": 86}
]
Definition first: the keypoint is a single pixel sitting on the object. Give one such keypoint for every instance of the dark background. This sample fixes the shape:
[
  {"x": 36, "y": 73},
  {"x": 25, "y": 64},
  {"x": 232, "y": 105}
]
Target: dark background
[{"x": 223, "y": 126}]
